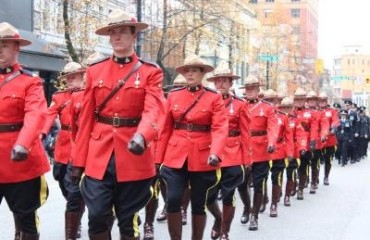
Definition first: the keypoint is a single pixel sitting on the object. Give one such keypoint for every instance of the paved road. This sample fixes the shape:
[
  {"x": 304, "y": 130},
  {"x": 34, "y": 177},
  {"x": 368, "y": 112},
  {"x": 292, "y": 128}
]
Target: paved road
[{"x": 340, "y": 211}]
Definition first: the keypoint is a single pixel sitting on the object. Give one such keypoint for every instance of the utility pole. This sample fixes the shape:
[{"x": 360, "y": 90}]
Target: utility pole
[
  {"x": 140, "y": 34},
  {"x": 267, "y": 74}
]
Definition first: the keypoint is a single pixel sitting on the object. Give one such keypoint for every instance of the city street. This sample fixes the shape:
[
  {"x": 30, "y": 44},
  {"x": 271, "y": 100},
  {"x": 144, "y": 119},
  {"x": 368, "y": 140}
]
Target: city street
[{"x": 337, "y": 212}]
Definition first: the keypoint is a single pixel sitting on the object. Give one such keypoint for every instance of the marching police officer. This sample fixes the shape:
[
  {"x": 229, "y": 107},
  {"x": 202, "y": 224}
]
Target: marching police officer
[
  {"x": 234, "y": 156},
  {"x": 363, "y": 132},
  {"x": 309, "y": 123},
  {"x": 122, "y": 104},
  {"x": 263, "y": 130},
  {"x": 328, "y": 150},
  {"x": 344, "y": 135},
  {"x": 192, "y": 143},
  {"x": 23, "y": 160},
  {"x": 72, "y": 78}
]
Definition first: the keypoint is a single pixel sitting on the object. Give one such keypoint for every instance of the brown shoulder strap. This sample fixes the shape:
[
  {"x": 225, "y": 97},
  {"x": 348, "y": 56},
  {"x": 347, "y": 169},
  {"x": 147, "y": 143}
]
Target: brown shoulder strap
[
  {"x": 121, "y": 83},
  {"x": 191, "y": 106}
]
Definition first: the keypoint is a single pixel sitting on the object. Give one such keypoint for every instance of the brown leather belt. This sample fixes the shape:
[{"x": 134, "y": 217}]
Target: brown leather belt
[
  {"x": 192, "y": 127},
  {"x": 118, "y": 122},
  {"x": 65, "y": 127},
  {"x": 12, "y": 127},
  {"x": 258, "y": 133},
  {"x": 234, "y": 133}
]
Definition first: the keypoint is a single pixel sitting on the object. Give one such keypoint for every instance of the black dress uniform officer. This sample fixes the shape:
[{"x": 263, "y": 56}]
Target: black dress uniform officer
[{"x": 344, "y": 136}]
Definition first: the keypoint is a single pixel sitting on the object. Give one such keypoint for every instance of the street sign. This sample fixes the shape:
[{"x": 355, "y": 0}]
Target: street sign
[
  {"x": 268, "y": 57},
  {"x": 338, "y": 78}
]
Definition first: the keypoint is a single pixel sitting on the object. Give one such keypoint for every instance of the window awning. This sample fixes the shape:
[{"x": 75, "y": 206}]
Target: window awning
[{"x": 41, "y": 55}]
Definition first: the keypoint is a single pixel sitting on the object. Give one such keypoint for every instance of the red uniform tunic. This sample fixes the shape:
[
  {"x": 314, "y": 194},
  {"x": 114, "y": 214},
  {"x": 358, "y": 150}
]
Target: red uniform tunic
[
  {"x": 233, "y": 151},
  {"x": 75, "y": 109},
  {"x": 140, "y": 97},
  {"x": 60, "y": 106},
  {"x": 307, "y": 122},
  {"x": 263, "y": 129},
  {"x": 284, "y": 136},
  {"x": 323, "y": 128},
  {"x": 296, "y": 139},
  {"x": 22, "y": 101},
  {"x": 332, "y": 117},
  {"x": 194, "y": 147}
]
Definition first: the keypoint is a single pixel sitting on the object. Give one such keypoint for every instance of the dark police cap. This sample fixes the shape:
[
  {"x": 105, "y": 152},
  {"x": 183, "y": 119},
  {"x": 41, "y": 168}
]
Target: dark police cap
[
  {"x": 362, "y": 108},
  {"x": 337, "y": 105},
  {"x": 349, "y": 102},
  {"x": 343, "y": 112}
]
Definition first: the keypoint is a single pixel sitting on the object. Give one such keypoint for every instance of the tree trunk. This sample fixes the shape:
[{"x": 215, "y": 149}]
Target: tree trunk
[{"x": 67, "y": 33}]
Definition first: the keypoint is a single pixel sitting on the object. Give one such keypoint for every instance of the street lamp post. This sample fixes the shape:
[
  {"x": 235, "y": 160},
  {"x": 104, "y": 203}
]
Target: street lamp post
[{"x": 267, "y": 74}]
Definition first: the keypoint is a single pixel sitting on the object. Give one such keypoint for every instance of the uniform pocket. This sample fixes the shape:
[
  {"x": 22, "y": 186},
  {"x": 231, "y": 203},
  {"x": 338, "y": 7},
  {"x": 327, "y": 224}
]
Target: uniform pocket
[{"x": 204, "y": 145}]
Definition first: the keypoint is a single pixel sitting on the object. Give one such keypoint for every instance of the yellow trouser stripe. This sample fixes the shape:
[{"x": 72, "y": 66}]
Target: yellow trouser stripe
[
  {"x": 135, "y": 225},
  {"x": 43, "y": 190},
  {"x": 218, "y": 178}
]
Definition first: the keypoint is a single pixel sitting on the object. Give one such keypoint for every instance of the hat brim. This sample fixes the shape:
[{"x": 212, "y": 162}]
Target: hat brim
[
  {"x": 82, "y": 70},
  {"x": 105, "y": 31},
  {"x": 206, "y": 68},
  {"x": 232, "y": 77},
  {"x": 22, "y": 42},
  {"x": 252, "y": 85},
  {"x": 300, "y": 97}
]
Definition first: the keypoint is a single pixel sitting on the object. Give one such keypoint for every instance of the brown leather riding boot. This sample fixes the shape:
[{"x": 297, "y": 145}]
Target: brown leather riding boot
[
  {"x": 216, "y": 213},
  {"x": 123, "y": 237},
  {"x": 150, "y": 210},
  {"x": 17, "y": 234},
  {"x": 163, "y": 214},
  {"x": 72, "y": 222},
  {"x": 29, "y": 236},
  {"x": 174, "y": 225},
  {"x": 274, "y": 200},
  {"x": 314, "y": 177},
  {"x": 257, "y": 202},
  {"x": 100, "y": 236},
  {"x": 245, "y": 197},
  {"x": 227, "y": 217},
  {"x": 265, "y": 199},
  {"x": 198, "y": 223},
  {"x": 302, "y": 184},
  {"x": 81, "y": 211},
  {"x": 288, "y": 189}
]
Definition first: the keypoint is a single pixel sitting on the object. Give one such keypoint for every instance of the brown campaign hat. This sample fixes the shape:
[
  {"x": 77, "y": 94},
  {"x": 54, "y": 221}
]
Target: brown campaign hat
[
  {"x": 118, "y": 18},
  {"x": 311, "y": 95},
  {"x": 222, "y": 70},
  {"x": 94, "y": 58},
  {"x": 8, "y": 32},
  {"x": 286, "y": 102},
  {"x": 194, "y": 61},
  {"x": 300, "y": 93},
  {"x": 269, "y": 94},
  {"x": 71, "y": 68},
  {"x": 323, "y": 95},
  {"x": 252, "y": 81}
]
